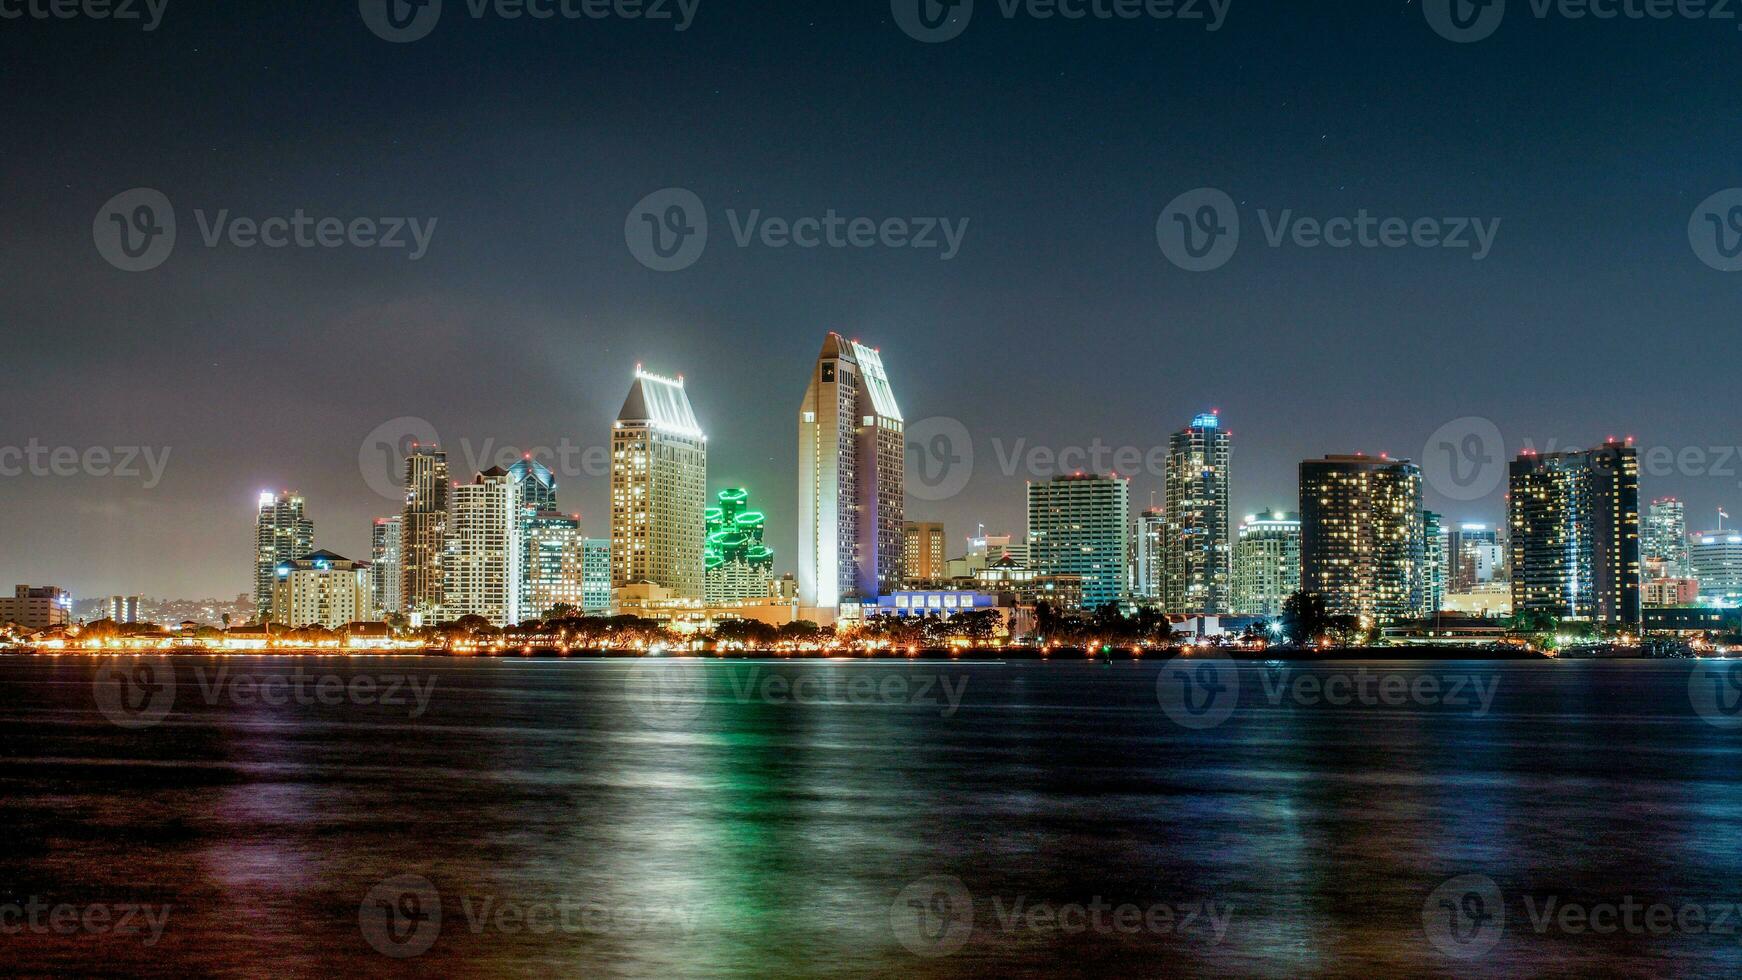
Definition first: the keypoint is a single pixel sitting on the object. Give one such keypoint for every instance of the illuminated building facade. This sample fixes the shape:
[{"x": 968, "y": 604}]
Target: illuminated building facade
[
  {"x": 386, "y": 563},
  {"x": 924, "y": 557},
  {"x": 851, "y": 482},
  {"x": 1198, "y": 556},
  {"x": 1266, "y": 563},
  {"x": 595, "y": 576},
  {"x": 659, "y": 478},
  {"x": 534, "y": 496},
  {"x": 738, "y": 564},
  {"x": 1574, "y": 520},
  {"x": 1716, "y": 559},
  {"x": 282, "y": 531},
  {"x": 481, "y": 565},
  {"x": 423, "y": 533},
  {"x": 1475, "y": 557},
  {"x": 1363, "y": 542},
  {"x": 1148, "y": 556},
  {"x": 554, "y": 564},
  {"x": 321, "y": 589},
  {"x": 1664, "y": 542},
  {"x": 37, "y": 607},
  {"x": 1433, "y": 575},
  {"x": 1081, "y": 525}
]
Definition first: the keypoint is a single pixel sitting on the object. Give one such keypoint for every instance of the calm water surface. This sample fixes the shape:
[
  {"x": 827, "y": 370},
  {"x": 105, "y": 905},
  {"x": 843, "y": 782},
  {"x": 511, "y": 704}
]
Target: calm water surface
[{"x": 851, "y": 819}]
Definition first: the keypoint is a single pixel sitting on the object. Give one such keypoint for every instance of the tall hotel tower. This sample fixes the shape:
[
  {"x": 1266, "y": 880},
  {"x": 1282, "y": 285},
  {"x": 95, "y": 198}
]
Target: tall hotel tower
[
  {"x": 659, "y": 481},
  {"x": 1575, "y": 533},
  {"x": 282, "y": 532},
  {"x": 481, "y": 566},
  {"x": 851, "y": 489},
  {"x": 1363, "y": 543},
  {"x": 1199, "y": 555},
  {"x": 423, "y": 533}
]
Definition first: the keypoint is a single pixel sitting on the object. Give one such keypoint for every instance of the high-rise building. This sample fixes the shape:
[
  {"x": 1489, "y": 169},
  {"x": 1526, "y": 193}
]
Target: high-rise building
[
  {"x": 738, "y": 564},
  {"x": 423, "y": 533},
  {"x": 924, "y": 553},
  {"x": 320, "y": 589},
  {"x": 554, "y": 560},
  {"x": 1148, "y": 556},
  {"x": 1433, "y": 575},
  {"x": 595, "y": 576},
  {"x": 125, "y": 608},
  {"x": 1664, "y": 539},
  {"x": 1363, "y": 543},
  {"x": 1574, "y": 521},
  {"x": 659, "y": 479},
  {"x": 851, "y": 481},
  {"x": 534, "y": 495},
  {"x": 1474, "y": 557},
  {"x": 481, "y": 565},
  {"x": 1080, "y": 525},
  {"x": 1716, "y": 560},
  {"x": 282, "y": 531},
  {"x": 386, "y": 564},
  {"x": 1266, "y": 563},
  {"x": 1198, "y": 551}
]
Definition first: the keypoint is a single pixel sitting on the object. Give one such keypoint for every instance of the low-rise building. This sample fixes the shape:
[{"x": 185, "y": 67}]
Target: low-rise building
[
  {"x": 322, "y": 589},
  {"x": 37, "y": 607}
]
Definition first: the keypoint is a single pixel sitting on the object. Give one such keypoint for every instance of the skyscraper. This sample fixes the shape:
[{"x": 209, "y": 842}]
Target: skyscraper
[
  {"x": 850, "y": 478},
  {"x": 659, "y": 479},
  {"x": 923, "y": 552},
  {"x": 1575, "y": 533},
  {"x": 385, "y": 566},
  {"x": 1198, "y": 552},
  {"x": 1266, "y": 563},
  {"x": 1664, "y": 544},
  {"x": 1149, "y": 557},
  {"x": 739, "y": 564},
  {"x": 1080, "y": 525},
  {"x": 553, "y": 564},
  {"x": 1363, "y": 543},
  {"x": 423, "y": 533},
  {"x": 1433, "y": 577},
  {"x": 282, "y": 532},
  {"x": 534, "y": 495},
  {"x": 481, "y": 564},
  {"x": 1474, "y": 557},
  {"x": 1716, "y": 562},
  {"x": 595, "y": 576}
]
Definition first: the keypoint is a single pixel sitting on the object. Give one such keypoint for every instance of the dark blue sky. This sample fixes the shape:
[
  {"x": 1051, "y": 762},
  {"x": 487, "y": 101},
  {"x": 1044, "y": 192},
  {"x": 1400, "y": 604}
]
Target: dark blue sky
[{"x": 1059, "y": 323}]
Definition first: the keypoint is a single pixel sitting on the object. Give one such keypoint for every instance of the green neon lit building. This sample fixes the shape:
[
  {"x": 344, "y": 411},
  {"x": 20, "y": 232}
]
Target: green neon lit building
[{"x": 738, "y": 565}]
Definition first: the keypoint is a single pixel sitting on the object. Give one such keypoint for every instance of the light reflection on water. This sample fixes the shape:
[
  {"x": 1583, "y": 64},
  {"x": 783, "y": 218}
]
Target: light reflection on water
[{"x": 738, "y": 825}]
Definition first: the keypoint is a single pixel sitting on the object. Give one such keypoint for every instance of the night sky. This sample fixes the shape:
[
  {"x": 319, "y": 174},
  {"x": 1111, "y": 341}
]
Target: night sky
[{"x": 1059, "y": 323}]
